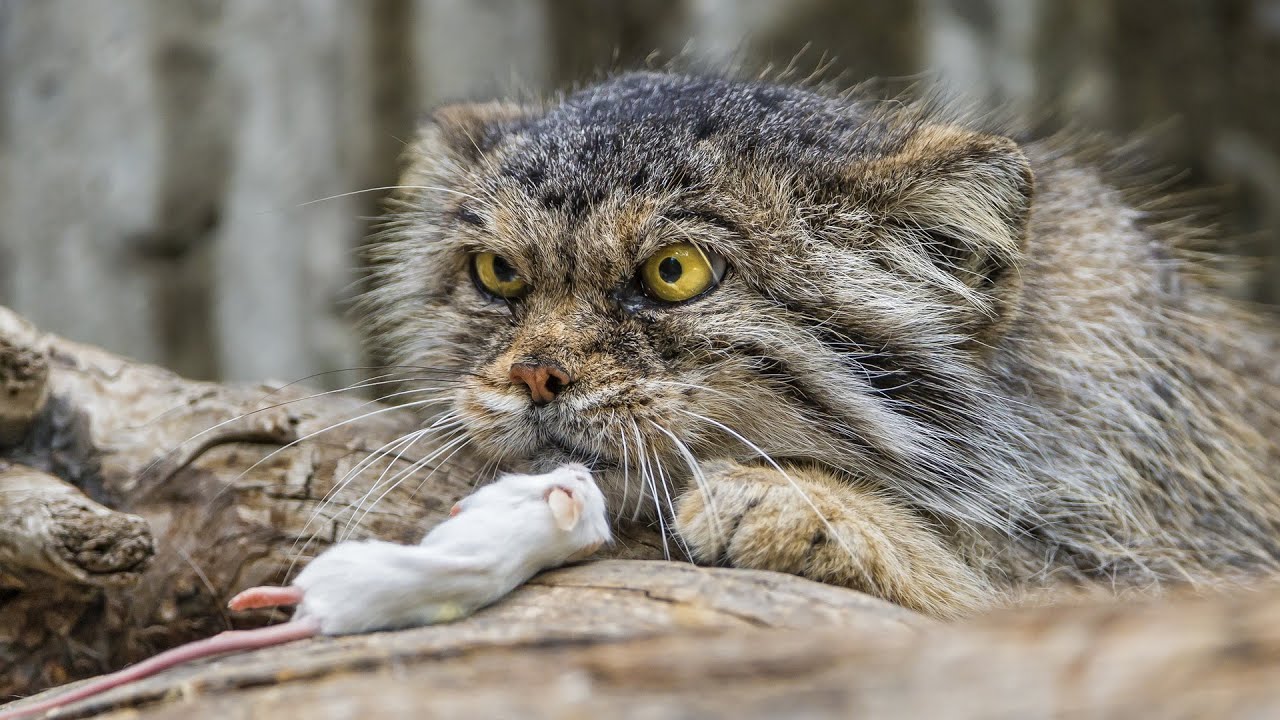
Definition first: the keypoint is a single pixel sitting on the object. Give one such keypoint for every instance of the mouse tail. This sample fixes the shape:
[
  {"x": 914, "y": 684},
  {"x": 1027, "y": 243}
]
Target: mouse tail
[{"x": 222, "y": 643}]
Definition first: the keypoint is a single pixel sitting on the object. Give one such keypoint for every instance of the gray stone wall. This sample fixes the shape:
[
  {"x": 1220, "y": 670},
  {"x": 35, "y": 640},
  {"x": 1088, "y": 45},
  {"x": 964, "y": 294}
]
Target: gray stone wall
[{"x": 162, "y": 162}]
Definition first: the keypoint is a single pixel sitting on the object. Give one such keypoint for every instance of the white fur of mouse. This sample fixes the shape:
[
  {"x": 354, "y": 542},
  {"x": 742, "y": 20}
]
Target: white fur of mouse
[
  {"x": 497, "y": 538},
  {"x": 494, "y": 540}
]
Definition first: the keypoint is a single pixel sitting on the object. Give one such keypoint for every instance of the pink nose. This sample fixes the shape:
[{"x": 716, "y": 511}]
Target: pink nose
[{"x": 544, "y": 380}]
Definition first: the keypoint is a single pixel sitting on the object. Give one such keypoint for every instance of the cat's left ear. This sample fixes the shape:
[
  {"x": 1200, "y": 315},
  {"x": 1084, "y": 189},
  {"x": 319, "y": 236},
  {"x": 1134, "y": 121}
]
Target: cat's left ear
[
  {"x": 454, "y": 140},
  {"x": 467, "y": 131},
  {"x": 961, "y": 201}
]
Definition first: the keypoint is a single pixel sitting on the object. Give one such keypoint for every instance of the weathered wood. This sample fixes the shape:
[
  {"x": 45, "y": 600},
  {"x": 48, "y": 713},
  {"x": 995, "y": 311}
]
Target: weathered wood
[
  {"x": 656, "y": 640},
  {"x": 159, "y": 468},
  {"x": 230, "y": 485},
  {"x": 1210, "y": 658},
  {"x": 24, "y": 377},
  {"x": 122, "y": 434},
  {"x": 606, "y": 602},
  {"x": 48, "y": 526}
]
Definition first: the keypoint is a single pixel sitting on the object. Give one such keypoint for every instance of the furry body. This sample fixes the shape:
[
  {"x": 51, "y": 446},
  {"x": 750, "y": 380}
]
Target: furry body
[{"x": 944, "y": 367}]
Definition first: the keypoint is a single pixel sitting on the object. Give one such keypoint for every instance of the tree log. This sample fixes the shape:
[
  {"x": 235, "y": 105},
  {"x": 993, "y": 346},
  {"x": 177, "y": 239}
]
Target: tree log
[
  {"x": 24, "y": 377},
  {"x": 50, "y": 527},
  {"x": 134, "y": 503}
]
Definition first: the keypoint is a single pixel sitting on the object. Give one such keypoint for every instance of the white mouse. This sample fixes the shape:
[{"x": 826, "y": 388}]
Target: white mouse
[{"x": 494, "y": 540}]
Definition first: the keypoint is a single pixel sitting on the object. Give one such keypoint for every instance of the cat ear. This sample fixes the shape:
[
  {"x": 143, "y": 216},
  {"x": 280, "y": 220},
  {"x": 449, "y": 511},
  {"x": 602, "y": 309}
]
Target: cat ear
[
  {"x": 465, "y": 132},
  {"x": 962, "y": 199},
  {"x": 566, "y": 508}
]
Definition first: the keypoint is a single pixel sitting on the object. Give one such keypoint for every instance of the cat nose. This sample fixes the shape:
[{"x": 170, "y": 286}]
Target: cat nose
[{"x": 545, "y": 380}]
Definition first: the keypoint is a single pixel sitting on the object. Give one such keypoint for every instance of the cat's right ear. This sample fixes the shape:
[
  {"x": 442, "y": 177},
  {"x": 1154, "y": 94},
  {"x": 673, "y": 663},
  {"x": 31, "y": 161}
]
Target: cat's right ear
[{"x": 466, "y": 132}]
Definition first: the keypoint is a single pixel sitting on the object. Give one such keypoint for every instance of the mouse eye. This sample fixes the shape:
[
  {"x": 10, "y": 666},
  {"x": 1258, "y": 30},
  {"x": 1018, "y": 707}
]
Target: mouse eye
[
  {"x": 497, "y": 277},
  {"x": 681, "y": 272}
]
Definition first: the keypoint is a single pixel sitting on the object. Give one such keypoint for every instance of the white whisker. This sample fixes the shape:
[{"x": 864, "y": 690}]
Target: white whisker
[
  {"x": 626, "y": 473},
  {"x": 347, "y": 479},
  {"x": 831, "y": 531},
  {"x": 360, "y": 385},
  {"x": 699, "y": 479},
  {"x": 453, "y": 442},
  {"x": 294, "y": 551},
  {"x": 666, "y": 491},
  {"x": 386, "y": 188},
  {"x": 447, "y": 424},
  {"x": 651, "y": 482}
]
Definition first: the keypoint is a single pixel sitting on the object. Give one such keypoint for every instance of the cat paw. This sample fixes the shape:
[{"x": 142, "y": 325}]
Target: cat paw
[
  {"x": 816, "y": 526},
  {"x": 758, "y": 518}
]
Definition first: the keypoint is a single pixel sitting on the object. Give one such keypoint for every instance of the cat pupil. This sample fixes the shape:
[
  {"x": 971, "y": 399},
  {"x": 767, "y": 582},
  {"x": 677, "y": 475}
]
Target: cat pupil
[
  {"x": 503, "y": 270},
  {"x": 669, "y": 270}
]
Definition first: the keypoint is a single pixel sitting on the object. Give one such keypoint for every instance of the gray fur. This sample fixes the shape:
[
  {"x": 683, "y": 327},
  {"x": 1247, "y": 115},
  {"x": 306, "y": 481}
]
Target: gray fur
[{"x": 985, "y": 331}]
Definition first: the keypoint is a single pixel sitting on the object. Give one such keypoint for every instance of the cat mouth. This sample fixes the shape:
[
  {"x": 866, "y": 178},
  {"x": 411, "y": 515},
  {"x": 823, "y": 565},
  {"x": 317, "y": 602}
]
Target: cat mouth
[
  {"x": 562, "y": 450},
  {"x": 551, "y": 439},
  {"x": 569, "y": 445}
]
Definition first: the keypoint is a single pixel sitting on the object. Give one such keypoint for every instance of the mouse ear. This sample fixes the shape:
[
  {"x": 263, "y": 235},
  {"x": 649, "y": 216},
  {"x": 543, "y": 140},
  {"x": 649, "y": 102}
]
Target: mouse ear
[{"x": 565, "y": 508}]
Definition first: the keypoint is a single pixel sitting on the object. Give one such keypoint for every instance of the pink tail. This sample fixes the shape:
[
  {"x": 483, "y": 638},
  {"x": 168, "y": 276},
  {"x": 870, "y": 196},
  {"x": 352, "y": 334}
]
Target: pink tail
[
  {"x": 225, "y": 642},
  {"x": 260, "y": 597}
]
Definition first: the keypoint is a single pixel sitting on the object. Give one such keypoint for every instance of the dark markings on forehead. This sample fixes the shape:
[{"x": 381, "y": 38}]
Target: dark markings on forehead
[
  {"x": 573, "y": 201},
  {"x": 638, "y": 132},
  {"x": 576, "y": 195}
]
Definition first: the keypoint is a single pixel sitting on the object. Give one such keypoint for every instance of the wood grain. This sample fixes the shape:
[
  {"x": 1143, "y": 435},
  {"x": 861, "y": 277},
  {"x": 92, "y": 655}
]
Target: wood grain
[{"x": 134, "y": 503}]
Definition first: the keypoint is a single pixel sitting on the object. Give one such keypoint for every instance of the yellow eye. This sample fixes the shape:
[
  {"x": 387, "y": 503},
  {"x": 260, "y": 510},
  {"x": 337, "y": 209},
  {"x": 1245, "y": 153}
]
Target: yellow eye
[
  {"x": 679, "y": 272},
  {"x": 497, "y": 276}
]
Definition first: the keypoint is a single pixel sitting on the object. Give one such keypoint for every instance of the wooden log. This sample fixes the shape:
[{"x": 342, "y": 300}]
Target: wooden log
[
  {"x": 50, "y": 527},
  {"x": 24, "y": 377},
  {"x": 628, "y": 639},
  {"x": 220, "y": 487},
  {"x": 199, "y": 490}
]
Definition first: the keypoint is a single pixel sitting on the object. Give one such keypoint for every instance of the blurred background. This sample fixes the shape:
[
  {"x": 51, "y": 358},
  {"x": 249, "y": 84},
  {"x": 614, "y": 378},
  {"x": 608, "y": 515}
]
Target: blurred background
[{"x": 162, "y": 162}]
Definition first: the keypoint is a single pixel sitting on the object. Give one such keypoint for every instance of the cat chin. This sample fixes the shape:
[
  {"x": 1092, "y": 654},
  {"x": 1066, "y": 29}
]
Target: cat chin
[
  {"x": 551, "y": 458},
  {"x": 531, "y": 450},
  {"x": 553, "y": 453}
]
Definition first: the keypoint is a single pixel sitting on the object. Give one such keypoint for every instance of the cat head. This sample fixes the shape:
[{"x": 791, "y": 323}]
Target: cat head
[{"x": 661, "y": 269}]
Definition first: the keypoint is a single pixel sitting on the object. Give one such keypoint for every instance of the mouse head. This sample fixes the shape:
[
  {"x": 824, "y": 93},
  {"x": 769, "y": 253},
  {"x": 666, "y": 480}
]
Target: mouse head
[
  {"x": 570, "y": 492},
  {"x": 573, "y": 496},
  {"x": 578, "y": 508}
]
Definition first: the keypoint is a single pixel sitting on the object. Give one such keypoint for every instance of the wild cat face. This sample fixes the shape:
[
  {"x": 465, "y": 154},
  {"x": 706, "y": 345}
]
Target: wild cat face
[{"x": 662, "y": 269}]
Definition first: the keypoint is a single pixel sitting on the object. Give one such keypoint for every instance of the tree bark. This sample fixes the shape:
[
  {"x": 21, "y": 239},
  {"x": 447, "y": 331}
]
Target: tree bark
[{"x": 134, "y": 503}]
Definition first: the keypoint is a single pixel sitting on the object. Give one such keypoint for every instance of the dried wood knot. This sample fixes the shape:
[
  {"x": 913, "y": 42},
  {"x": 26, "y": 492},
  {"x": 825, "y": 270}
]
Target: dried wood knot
[
  {"x": 102, "y": 544},
  {"x": 24, "y": 378}
]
